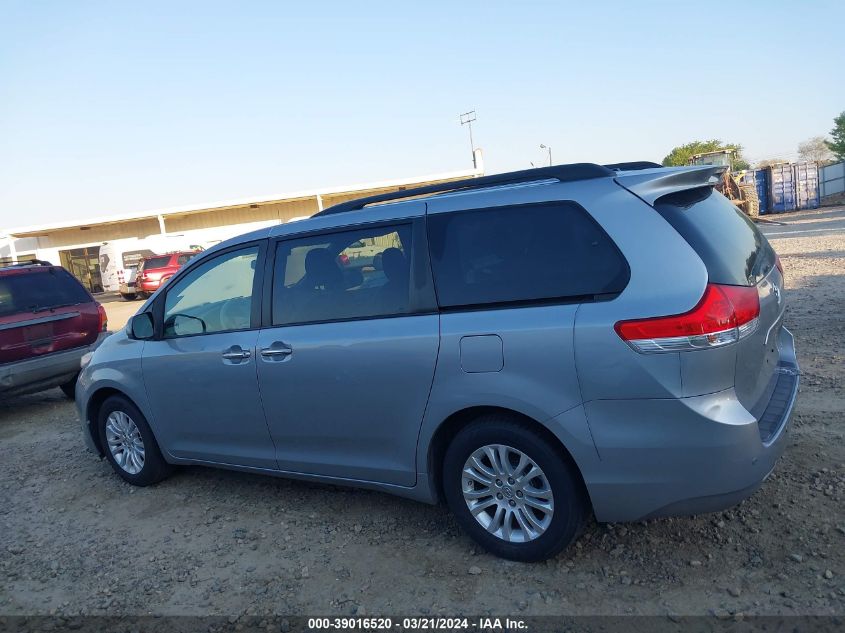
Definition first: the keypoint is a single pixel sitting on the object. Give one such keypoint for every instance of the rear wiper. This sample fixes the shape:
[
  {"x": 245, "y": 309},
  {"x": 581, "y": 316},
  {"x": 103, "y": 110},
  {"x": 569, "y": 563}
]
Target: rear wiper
[{"x": 36, "y": 309}]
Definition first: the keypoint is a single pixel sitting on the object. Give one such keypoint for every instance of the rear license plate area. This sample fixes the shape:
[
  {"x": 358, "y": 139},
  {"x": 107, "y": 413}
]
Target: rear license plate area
[{"x": 39, "y": 337}]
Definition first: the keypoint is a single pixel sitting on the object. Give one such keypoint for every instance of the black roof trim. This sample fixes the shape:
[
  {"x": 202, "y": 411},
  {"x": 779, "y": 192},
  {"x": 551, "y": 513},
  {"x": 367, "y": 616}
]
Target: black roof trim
[
  {"x": 633, "y": 166},
  {"x": 28, "y": 263},
  {"x": 562, "y": 173}
]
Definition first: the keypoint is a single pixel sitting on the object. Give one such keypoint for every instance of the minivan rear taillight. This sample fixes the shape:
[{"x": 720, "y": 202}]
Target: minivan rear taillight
[
  {"x": 104, "y": 319},
  {"x": 724, "y": 315}
]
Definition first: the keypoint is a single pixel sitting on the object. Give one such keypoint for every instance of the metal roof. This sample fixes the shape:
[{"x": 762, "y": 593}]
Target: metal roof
[{"x": 41, "y": 229}]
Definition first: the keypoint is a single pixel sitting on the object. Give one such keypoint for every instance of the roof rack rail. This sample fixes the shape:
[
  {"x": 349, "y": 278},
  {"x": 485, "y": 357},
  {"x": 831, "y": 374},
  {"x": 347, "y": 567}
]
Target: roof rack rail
[
  {"x": 32, "y": 262},
  {"x": 561, "y": 173},
  {"x": 633, "y": 166}
]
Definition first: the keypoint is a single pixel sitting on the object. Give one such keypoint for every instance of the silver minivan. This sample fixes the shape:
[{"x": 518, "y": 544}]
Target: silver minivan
[{"x": 528, "y": 347}]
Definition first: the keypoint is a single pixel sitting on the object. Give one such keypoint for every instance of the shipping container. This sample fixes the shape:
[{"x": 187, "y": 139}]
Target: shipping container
[
  {"x": 781, "y": 188},
  {"x": 806, "y": 179},
  {"x": 758, "y": 178},
  {"x": 793, "y": 187},
  {"x": 761, "y": 180}
]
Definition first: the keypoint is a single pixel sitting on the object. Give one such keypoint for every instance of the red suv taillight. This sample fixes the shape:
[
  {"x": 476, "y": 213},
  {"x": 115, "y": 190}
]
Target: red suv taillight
[
  {"x": 104, "y": 319},
  {"x": 724, "y": 315}
]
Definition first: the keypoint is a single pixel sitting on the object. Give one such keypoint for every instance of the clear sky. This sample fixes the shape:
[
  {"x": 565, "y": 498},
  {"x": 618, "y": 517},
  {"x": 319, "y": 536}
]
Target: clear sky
[{"x": 112, "y": 107}]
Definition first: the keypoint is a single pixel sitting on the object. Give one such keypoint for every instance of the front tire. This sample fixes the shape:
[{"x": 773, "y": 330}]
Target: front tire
[
  {"x": 129, "y": 444},
  {"x": 513, "y": 491}
]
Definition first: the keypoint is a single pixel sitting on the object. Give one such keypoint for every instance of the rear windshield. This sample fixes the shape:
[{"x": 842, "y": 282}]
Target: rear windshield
[
  {"x": 42, "y": 290},
  {"x": 732, "y": 248},
  {"x": 156, "y": 262}
]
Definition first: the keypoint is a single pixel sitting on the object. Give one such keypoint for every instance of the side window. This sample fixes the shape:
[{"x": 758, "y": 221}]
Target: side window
[
  {"x": 216, "y": 296},
  {"x": 521, "y": 254},
  {"x": 183, "y": 259},
  {"x": 346, "y": 275}
]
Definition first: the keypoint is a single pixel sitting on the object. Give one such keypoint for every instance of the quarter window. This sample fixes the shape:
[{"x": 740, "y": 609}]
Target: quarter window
[
  {"x": 527, "y": 253},
  {"x": 216, "y": 296},
  {"x": 346, "y": 275}
]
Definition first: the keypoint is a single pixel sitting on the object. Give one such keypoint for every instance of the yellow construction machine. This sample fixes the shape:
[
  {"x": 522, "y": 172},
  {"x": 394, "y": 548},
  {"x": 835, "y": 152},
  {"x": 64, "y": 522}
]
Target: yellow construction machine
[{"x": 734, "y": 186}]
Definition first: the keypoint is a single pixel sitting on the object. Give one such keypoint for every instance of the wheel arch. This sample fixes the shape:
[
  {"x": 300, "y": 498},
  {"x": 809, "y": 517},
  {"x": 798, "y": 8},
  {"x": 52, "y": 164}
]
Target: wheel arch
[
  {"x": 92, "y": 411},
  {"x": 459, "y": 419}
]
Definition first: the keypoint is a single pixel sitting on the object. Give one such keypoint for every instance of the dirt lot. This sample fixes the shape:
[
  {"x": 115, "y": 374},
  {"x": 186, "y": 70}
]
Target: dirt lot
[
  {"x": 75, "y": 539},
  {"x": 118, "y": 309}
]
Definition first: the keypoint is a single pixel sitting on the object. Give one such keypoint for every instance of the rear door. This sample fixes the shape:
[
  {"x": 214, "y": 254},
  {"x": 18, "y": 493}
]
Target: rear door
[
  {"x": 510, "y": 279},
  {"x": 346, "y": 364},
  {"x": 44, "y": 310}
]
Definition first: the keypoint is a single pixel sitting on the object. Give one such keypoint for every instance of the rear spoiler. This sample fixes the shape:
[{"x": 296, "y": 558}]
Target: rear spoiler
[{"x": 651, "y": 184}]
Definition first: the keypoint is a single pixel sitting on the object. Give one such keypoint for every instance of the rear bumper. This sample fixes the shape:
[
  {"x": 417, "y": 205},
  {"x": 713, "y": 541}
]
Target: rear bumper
[
  {"x": 44, "y": 372},
  {"x": 687, "y": 456}
]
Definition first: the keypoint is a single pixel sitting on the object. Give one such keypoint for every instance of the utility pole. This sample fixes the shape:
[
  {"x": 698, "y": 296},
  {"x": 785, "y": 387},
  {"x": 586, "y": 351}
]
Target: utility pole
[
  {"x": 466, "y": 119},
  {"x": 550, "y": 152}
]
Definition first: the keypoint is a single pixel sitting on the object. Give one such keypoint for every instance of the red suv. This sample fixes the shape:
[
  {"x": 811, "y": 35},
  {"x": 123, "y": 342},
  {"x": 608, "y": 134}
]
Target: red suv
[
  {"x": 157, "y": 269},
  {"x": 48, "y": 321}
]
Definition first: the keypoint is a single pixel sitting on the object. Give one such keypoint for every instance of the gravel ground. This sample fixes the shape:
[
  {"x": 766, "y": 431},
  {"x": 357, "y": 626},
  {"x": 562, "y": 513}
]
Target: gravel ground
[{"x": 74, "y": 539}]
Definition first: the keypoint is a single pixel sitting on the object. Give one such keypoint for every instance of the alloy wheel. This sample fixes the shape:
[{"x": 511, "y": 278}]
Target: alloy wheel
[
  {"x": 125, "y": 442},
  {"x": 507, "y": 493}
]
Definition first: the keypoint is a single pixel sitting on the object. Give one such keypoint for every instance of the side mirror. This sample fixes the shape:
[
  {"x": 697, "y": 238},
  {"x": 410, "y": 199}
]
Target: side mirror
[{"x": 141, "y": 326}]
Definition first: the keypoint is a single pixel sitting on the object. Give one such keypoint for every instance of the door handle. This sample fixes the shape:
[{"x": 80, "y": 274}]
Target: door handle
[
  {"x": 237, "y": 354},
  {"x": 276, "y": 350}
]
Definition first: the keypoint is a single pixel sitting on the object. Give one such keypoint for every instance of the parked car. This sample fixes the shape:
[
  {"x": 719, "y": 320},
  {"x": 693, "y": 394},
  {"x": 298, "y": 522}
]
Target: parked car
[
  {"x": 153, "y": 272},
  {"x": 533, "y": 347},
  {"x": 48, "y": 321},
  {"x": 126, "y": 282},
  {"x": 119, "y": 258}
]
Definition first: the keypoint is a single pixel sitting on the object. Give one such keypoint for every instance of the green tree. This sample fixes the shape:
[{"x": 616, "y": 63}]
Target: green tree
[
  {"x": 837, "y": 145},
  {"x": 682, "y": 154}
]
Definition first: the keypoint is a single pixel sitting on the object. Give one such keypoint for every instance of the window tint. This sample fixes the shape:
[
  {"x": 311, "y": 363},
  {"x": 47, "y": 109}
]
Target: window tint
[
  {"x": 346, "y": 275},
  {"x": 156, "y": 262},
  {"x": 216, "y": 296},
  {"x": 520, "y": 254},
  {"x": 42, "y": 290},
  {"x": 734, "y": 251}
]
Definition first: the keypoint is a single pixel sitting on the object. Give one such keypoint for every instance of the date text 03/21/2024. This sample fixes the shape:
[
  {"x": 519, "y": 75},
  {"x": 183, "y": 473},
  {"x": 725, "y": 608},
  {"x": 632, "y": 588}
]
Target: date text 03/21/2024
[{"x": 482, "y": 624}]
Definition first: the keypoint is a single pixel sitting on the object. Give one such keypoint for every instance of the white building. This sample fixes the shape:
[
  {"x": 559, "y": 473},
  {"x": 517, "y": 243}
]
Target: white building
[{"x": 76, "y": 244}]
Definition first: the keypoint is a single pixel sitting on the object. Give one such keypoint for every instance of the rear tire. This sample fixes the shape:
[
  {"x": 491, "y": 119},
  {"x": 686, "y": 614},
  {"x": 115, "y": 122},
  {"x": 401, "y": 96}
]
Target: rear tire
[
  {"x": 69, "y": 388},
  {"x": 129, "y": 443},
  {"x": 556, "y": 518},
  {"x": 752, "y": 200}
]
